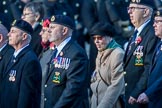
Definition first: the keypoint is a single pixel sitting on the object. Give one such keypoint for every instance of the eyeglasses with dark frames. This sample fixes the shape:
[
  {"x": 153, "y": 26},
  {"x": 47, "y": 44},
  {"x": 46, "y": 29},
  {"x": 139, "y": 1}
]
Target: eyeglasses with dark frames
[
  {"x": 97, "y": 37},
  {"x": 133, "y": 8},
  {"x": 26, "y": 14}
]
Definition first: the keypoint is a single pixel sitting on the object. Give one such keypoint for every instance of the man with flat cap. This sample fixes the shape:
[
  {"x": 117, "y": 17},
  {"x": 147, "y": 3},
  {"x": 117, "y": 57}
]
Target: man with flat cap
[
  {"x": 67, "y": 78},
  {"x": 137, "y": 59},
  {"x": 152, "y": 95},
  {"x": 107, "y": 82},
  {"x": 21, "y": 80}
]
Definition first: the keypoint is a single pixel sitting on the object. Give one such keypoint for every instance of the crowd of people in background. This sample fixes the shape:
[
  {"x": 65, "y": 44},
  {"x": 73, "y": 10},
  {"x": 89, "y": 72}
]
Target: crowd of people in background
[{"x": 44, "y": 61}]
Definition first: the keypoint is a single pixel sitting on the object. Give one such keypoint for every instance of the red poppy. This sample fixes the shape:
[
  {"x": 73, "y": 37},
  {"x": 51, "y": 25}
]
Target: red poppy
[
  {"x": 138, "y": 40},
  {"x": 46, "y": 23}
]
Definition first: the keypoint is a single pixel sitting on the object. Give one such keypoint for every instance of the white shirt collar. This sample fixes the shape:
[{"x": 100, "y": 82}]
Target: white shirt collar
[
  {"x": 141, "y": 27},
  {"x": 17, "y": 52},
  {"x": 2, "y": 47},
  {"x": 61, "y": 46}
]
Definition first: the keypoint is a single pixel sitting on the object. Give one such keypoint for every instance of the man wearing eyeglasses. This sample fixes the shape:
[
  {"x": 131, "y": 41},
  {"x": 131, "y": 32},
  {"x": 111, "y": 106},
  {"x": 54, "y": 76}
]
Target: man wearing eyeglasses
[
  {"x": 153, "y": 93},
  {"x": 139, "y": 51}
]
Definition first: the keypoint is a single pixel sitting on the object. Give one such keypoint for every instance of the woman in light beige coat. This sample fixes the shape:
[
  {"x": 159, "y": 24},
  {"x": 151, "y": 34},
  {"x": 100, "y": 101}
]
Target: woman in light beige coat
[{"x": 107, "y": 80}]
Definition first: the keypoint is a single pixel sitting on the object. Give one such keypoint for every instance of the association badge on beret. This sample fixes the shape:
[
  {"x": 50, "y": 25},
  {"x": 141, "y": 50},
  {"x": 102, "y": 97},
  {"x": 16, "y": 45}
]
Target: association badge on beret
[
  {"x": 13, "y": 23},
  {"x": 158, "y": 13},
  {"x": 53, "y": 18},
  {"x": 137, "y": 1}
]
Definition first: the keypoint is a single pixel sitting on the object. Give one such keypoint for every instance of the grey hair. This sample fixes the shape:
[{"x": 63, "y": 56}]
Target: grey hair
[
  {"x": 151, "y": 12},
  {"x": 29, "y": 37},
  {"x": 36, "y": 7},
  {"x": 70, "y": 32}
]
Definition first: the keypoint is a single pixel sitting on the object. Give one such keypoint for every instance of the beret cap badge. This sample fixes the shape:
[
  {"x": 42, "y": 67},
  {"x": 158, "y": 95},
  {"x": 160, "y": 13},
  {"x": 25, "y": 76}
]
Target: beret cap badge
[
  {"x": 13, "y": 23},
  {"x": 137, "y": 1},
  {"x": 53, "y": 18},
  {"x": 158, "y": 13}
]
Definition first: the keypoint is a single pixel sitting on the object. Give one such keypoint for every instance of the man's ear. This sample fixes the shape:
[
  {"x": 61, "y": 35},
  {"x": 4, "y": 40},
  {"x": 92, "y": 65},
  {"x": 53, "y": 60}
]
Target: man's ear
[
  {"x": 24, "y": 36},
  {"x": 146, "y": 12},
  {"x": 64, "y": 30},
  {"x": 1, "y": 37},
  {"x": 37, "y": 16}
]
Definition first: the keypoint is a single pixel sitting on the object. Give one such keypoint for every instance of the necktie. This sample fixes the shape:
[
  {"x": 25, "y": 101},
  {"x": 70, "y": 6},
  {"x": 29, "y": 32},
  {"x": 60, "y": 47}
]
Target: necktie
[
  {"x": 54, "y": 54},
  {"x": 132, "y": 41},
  {"x": 134, "y": 36},
  {"x": 158, "y": 48}
]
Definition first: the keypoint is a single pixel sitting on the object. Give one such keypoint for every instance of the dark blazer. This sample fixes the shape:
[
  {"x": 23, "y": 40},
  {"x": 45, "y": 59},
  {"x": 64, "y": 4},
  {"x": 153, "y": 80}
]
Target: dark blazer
[
  {"x": 5, "y": 54},
  {"x": 25, "y": 90},
  {"x": 154, "y": 89},
  {"x": 136, "y": 76},
  {"x": 67, "y": 88}
]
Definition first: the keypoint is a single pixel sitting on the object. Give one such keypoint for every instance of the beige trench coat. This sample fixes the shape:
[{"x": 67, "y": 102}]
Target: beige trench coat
[{"x": 109, "y": 63}]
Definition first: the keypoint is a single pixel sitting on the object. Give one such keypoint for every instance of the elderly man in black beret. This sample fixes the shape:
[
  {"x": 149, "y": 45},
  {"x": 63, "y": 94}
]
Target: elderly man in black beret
[
  {"x": 137, "y": 59},
  {"x": 107, "y": 80},
  {"x": 21, "y": 82},
  {"x": 152, "y": 95},
  {"x": 67, "y": 78}
]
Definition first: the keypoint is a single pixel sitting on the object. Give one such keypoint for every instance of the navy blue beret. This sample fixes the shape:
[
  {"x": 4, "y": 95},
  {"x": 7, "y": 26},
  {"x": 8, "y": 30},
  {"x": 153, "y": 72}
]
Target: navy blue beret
[
  {"x": 63, "y": 20},
  {"x": 102, "y": 29},
  {"x": 149, "y": 3},
  {"x": 23, "y": 25}
]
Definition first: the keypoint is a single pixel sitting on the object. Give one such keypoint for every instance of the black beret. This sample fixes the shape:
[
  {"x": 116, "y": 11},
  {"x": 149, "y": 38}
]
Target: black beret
[
  {"x": 23, "y": 25},
  {"x": 102, "y": 29},
  {"x": 149, "y": 3},
  {"x": 63, "y": 20}
]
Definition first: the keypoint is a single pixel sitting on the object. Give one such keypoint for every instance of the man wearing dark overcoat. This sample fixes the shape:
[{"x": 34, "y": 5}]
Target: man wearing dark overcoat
[
  {"x": 21, "y": 80},
  {"x": 152, "y": 95},
  {"x": 139, "y": 51},
  {"x": 66, "y": 83},
  {"x": 5, "y": 49}
]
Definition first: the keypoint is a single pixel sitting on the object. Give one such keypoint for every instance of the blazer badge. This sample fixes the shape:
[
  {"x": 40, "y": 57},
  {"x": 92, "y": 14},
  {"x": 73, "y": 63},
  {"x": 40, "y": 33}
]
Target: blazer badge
[
  {"x": 138, "y": 56},
  {"x": 56, "y": 77}
]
